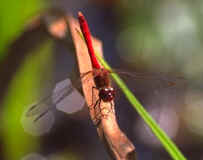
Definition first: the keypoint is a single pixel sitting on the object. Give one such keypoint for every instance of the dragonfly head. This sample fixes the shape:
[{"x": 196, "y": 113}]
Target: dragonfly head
[{"x": 107, "y": 94}]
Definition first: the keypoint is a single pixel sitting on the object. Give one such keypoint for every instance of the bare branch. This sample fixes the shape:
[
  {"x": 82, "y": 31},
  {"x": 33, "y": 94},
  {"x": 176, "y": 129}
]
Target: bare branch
[{"x": 116, "y": 142}]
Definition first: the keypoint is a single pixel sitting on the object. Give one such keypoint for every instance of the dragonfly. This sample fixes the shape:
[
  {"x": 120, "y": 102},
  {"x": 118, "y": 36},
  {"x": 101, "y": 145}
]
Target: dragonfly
[{"x": 65, "y": 97}]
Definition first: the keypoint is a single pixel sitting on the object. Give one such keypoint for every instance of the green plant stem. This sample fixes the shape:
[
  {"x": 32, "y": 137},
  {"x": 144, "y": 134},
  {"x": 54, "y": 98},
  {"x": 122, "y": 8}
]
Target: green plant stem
[{"x": 169, "y": 145}]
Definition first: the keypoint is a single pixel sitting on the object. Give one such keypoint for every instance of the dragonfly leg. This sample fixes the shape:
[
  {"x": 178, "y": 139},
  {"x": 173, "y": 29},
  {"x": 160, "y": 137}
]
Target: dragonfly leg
[
  {"x": 96, "y": 118},
  {"x": 94, "y": 105},
  {"x": 100, "y": 115},
  {"x": 82, "y": 75},
  {"x": 104, "y": 112}
]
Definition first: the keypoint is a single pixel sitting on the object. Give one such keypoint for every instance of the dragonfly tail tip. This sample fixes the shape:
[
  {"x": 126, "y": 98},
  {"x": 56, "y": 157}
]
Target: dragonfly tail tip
[{"x": 80, "y": 14}]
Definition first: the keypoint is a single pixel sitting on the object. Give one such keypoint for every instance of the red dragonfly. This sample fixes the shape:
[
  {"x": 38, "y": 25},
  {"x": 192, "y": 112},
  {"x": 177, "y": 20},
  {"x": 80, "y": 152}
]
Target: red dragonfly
[{"x": 67, "y": 99}]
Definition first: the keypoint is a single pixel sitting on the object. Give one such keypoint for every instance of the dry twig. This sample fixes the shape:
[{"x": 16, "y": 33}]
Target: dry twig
[{"x": 116, "y": 142}]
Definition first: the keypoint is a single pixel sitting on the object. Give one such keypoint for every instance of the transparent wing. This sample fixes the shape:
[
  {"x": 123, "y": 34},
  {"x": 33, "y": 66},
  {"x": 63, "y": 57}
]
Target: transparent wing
[
  {"x": 163, "y": 80},
  {"x": 65, "y": 97},
  {"x": 40, "y": 108}
]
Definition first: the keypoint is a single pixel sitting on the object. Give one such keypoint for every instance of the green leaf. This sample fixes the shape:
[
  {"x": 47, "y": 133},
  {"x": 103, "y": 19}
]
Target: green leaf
[
  {"x": 14, "y": 14},
  {"x": 22, "y": 91}
]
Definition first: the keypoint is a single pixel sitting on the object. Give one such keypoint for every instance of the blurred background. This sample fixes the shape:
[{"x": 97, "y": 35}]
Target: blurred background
[{"x": 148, "y": 37}]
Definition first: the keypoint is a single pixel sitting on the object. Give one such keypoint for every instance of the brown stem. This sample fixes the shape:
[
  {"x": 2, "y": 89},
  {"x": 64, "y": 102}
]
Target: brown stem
[{"x": 117, "y": 144}]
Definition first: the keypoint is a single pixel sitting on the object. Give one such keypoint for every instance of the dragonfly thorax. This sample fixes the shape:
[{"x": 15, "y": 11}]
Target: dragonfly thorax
[
  {"x": 107, "y": 94},
  {"x": 101, "y": 78}
]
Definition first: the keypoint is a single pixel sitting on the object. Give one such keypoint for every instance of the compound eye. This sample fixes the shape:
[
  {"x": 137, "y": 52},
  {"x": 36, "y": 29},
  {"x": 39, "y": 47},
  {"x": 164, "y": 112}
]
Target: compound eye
[
  {"x": 111, "y": 89},
  {"x": 106, "y": 89},
  {"x": 106, "y": 94}
]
